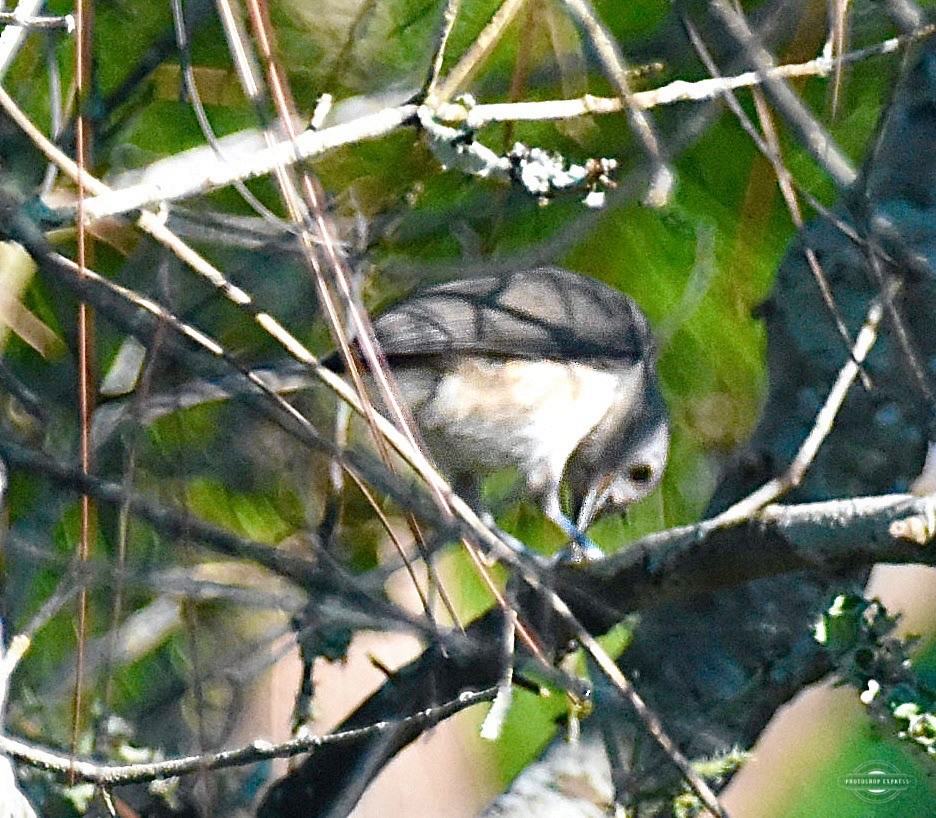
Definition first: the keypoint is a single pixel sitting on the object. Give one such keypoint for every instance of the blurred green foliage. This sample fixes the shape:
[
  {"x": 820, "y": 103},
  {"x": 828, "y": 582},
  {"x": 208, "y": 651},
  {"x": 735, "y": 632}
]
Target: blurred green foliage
[{"x": 699, "y": 268}]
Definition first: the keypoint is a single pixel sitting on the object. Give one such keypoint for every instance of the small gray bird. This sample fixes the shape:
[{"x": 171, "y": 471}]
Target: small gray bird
[{"x": 543, "y": 370}]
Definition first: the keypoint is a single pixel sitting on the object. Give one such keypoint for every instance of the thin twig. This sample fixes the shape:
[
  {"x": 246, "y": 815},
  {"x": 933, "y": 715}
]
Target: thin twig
[
  {"x": 769, "y": 146},
  {"x": 651, "y": 721},
  {"x": 13, "y": 18},
  {"x": 835, "y": 45},
  {"x": 187, "y": 583},
  {"x": 108, "y": 800},
  {"x": 616, "y": 68},
  {"x": 87, "y": 375},
  {"x": 888, "y": 287},
  {"x": 123, "y": 516},
  {"x": 813, "y": 136},
  {"x": 56, "y": 112},
  {"x": 13, "y": 36},
  {"x": 113, "y": 774},
  {"x": 449, "y": 15},
  {"x": 477, "y": 52},
  {"x": 822, "y": 426},
  {"x": 785, "y": 182}
]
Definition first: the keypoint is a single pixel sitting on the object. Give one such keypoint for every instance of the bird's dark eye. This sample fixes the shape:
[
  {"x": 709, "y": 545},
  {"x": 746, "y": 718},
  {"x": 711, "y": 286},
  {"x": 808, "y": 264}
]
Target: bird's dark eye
[{"x": 641, "y": 473}]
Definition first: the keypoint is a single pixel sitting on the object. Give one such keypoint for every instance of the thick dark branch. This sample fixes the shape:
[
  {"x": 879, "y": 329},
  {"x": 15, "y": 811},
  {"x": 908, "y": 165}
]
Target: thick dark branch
[
  {"x": 679, "y": 563},
  {"x": 829, "y": 538}
]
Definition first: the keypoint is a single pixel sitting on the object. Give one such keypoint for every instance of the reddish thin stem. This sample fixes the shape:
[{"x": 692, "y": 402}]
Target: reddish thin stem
[{"x": 86, "y": 380}]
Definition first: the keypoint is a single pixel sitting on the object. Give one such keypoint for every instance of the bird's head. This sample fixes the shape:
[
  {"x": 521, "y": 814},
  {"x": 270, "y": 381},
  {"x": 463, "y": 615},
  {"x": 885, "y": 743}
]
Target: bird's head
[{"x": 622, "y": 460}]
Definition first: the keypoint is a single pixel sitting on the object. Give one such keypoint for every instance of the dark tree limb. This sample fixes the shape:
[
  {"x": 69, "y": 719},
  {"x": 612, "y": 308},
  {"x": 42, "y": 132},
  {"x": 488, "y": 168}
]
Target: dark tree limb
[{"x": 831, "y": 537}]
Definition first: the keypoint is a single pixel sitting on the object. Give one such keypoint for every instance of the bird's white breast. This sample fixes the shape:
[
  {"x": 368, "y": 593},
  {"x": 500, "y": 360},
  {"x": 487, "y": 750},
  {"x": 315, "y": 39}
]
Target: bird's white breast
[{"x": 487, "y": 414}]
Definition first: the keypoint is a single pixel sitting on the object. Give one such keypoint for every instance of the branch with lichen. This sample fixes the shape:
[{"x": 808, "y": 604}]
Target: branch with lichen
[
  {"x": 858, "y": 633},
  {"x": 200, "y": 170}
]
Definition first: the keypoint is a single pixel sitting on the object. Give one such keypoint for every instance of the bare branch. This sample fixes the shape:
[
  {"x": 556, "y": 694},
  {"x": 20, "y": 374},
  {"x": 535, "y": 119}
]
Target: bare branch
[
  {"x": 213, "y": 173},
  {"x": 199, "y": 171},
  {"x": 822, "y": 426},
  {"x": 449, "y": 15},
  {"x": 827, "y": 537},
  {"x": 13, "y": 18},
  {"x": 113, "y": 774}
]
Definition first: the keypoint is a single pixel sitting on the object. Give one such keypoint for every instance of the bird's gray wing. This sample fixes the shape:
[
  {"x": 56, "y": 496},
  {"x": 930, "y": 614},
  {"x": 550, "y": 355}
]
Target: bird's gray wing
[{"x": 546, "y": 312}]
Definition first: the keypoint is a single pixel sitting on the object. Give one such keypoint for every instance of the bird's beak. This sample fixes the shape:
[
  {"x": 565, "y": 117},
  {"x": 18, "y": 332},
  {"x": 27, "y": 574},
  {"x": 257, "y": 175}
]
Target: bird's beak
[{"x": 591, "y": 505}]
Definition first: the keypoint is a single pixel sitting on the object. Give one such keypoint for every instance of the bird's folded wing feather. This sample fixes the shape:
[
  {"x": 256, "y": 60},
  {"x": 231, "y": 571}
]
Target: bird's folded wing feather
[{"x": 543, "y": 313}]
